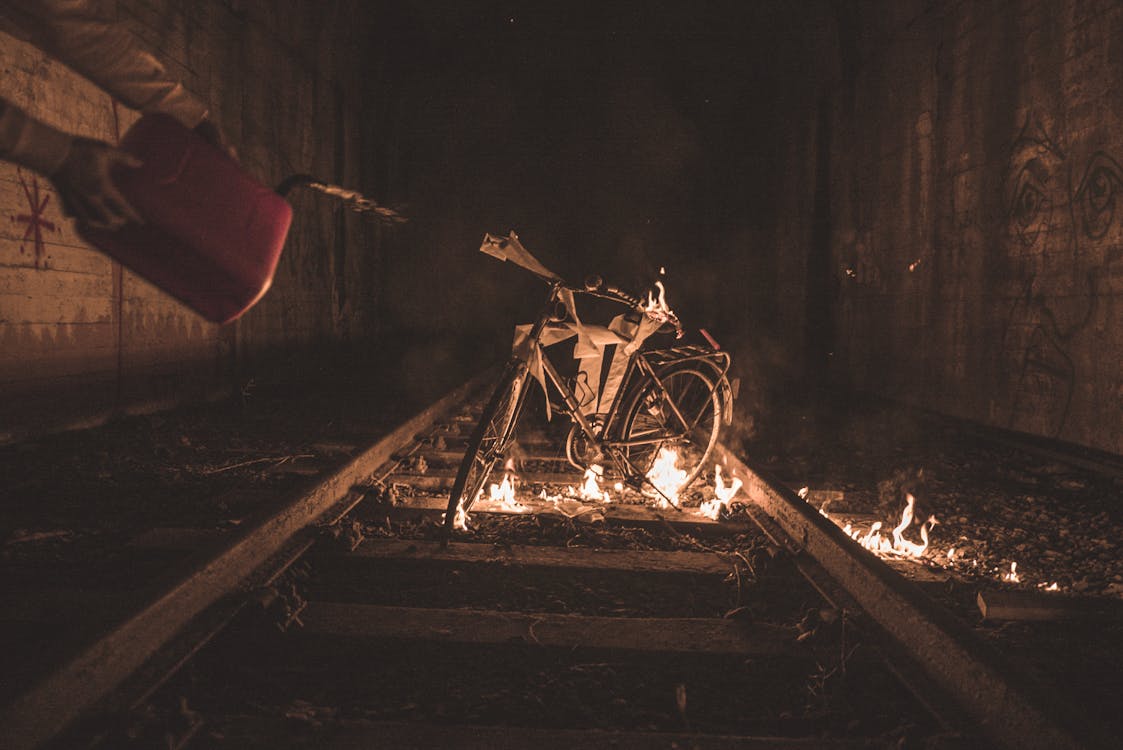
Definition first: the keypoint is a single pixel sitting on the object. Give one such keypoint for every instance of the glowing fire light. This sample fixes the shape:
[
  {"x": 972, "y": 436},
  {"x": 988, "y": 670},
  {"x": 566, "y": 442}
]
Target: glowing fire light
[
  {"x": 503, "y": 494},
  {"x": 895, "y": 544},
  {"x": 1051, "y": 587},
  {"x": 657, "y": 305},
  {"x": 666, "y": 477},
  {"x": 1012, "y": 576},
  {"x": 724, "y": 495},
  {"x": 657, "y": 309},
  {"x": 460, "y": 520},
  {"x": 591, "y": 489}
]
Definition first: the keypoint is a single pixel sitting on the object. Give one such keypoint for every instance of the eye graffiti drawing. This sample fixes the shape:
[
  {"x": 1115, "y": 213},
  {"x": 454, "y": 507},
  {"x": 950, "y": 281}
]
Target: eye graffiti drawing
[
  {"x": 1031, "y": 208},
  {"x": 1061, "y": 233},
  {"x": 1095, "y": 198}
]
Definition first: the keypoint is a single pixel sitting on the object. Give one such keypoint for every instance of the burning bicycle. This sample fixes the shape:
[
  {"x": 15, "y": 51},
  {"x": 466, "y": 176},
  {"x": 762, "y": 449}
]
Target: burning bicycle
[{"x": 655, "y": 417}]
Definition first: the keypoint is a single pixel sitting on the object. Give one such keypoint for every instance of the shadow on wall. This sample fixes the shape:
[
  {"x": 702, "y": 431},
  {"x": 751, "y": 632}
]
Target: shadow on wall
[{"x": 1063, "y": 238}]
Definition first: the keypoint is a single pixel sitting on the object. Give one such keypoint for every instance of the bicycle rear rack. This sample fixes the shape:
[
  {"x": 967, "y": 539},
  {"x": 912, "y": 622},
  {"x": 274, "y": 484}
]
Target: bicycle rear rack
[{"x": 719, "y": 361}]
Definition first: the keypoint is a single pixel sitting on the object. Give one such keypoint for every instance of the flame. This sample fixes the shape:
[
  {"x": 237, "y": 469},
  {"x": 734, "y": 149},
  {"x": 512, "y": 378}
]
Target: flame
[
  {"x": 895, "y": 544},
  {"x": 658, "y": 304},
  {"x": 591, "y": 489},
  {"x": 1051, "y": 587},
  {"x": 460, "y": 520},
  {"x": 504, "y": 495},
  {"x": 904, "y": 546},
  {"x": 666, "y": 477},
  {"x": 1012, "y": 576},
  {"x": 724, "y": 495},
  {"x": 657, "y": 309}
]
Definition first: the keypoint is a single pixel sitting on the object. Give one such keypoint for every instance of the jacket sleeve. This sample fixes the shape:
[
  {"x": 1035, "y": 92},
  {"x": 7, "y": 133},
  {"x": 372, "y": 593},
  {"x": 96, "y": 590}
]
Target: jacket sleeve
[
  {"x": 74, "y": 32},
  {"x": 33, "y": 144}
]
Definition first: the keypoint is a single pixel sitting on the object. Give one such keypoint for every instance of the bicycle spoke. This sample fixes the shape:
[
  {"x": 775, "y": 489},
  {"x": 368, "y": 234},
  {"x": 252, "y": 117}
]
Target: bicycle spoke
[
  {"x": 487, "y": 444},
  {"x": 679, "y": 410}
]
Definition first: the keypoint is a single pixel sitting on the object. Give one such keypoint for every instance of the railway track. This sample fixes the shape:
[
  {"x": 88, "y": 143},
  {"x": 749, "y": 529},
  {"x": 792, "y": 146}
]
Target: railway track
[{"x": 341, "y": 621}]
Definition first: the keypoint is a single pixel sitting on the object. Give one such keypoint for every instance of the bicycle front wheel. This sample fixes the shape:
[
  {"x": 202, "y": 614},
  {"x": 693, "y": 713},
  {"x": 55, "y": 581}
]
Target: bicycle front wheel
[
  {"x": 684, "y": 416},
  {"x": 488, "y": 441}
]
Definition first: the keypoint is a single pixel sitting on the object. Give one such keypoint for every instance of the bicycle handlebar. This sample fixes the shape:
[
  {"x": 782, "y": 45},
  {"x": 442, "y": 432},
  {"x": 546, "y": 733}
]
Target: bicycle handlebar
[
  {"x": 596, "y": 286},
  {"x": 509, "y": 248}
]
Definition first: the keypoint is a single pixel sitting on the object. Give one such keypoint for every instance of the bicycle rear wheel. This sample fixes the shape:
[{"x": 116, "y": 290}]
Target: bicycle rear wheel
[
  {"x": 684, "y": 415},
  {"x": 488, "y": 441}
]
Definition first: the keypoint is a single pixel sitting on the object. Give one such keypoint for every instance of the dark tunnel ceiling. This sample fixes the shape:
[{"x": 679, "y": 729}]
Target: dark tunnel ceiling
[
  {"x": 617, "y": 137},
  {"x": 725, "y": 66}
]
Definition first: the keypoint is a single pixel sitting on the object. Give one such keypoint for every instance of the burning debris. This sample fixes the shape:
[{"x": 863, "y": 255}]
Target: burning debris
[
  {"x": 592, "y": 493},
  {"x": 666, "y": 478},
  {"x": 591, "y": 489},
  {"x": 896, "y": 544},
  {"x": 503, "y": 495},
  {"x": 460, "y": 522},
  {"x": 658, "y": 310},
  {"x": 723, "y": 495}
]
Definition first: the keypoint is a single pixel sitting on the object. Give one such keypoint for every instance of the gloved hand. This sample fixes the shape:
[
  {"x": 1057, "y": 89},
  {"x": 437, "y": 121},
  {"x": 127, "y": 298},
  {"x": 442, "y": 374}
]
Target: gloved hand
[{"x": 84, "y": 183}]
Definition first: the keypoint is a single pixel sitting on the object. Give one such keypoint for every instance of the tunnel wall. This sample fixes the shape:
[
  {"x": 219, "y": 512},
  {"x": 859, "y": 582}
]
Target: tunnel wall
[
  {"x": 976, "y": 224},
  {"x": 81, "y": 337}
]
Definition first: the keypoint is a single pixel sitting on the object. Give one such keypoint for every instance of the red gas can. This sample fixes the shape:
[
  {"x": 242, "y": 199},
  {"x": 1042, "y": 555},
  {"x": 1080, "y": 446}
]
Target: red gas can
[{"x": 212, "y": 234}]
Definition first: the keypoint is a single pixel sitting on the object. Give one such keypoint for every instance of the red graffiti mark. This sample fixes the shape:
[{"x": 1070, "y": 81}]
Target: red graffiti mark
[{"x": 36, "y": 223}]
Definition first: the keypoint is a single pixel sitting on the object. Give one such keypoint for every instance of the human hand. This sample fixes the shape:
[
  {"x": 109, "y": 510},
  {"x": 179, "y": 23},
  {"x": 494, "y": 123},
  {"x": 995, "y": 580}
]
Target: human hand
[{"x": 85, "y": 185}]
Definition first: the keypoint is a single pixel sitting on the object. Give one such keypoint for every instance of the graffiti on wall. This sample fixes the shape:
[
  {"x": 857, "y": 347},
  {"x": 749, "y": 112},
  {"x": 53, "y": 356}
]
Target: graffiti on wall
[
  {"x": 1062, "y": 232},
  {"x": 34, "y": 218}
]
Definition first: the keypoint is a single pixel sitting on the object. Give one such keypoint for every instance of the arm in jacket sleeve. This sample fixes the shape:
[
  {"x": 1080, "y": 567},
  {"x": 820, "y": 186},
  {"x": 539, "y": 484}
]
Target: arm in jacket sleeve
[
  {"x": 79, "y": 168},
  {"x": 31, "y": 143},
  {"x": 106, "y": 53},
  {"x": 75, "y": 33}
]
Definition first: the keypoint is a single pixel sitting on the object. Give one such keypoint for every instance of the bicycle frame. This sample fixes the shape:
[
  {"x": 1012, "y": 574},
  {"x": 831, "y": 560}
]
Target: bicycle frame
[
  {"x": 642, "y": 368},
  {"x": 641, "y": 399}
]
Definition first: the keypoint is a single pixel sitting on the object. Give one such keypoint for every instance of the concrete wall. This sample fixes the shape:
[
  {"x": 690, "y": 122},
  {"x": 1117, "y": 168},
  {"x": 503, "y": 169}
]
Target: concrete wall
[
  {"x": 976, "y": 212},
  {"x": 80, "y": 338}
]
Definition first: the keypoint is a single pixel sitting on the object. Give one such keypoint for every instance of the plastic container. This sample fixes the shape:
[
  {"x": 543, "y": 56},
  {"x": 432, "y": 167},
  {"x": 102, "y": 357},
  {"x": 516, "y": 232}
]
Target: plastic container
[{"x": 212, "y": 234}]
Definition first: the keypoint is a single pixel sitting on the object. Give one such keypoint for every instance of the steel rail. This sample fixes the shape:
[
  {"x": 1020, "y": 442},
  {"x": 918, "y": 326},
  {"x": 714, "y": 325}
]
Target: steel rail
[
  {"x": 50, "y": 706},
  {"x": 952, "y": 657}
]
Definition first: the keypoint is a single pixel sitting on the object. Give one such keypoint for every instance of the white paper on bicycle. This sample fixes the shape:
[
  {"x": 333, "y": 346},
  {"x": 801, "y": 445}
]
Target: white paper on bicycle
[
  {"x": 590, "y": 352},
  {"x": 592, "y": 340},
  {"x": 509, "y": 248}
]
